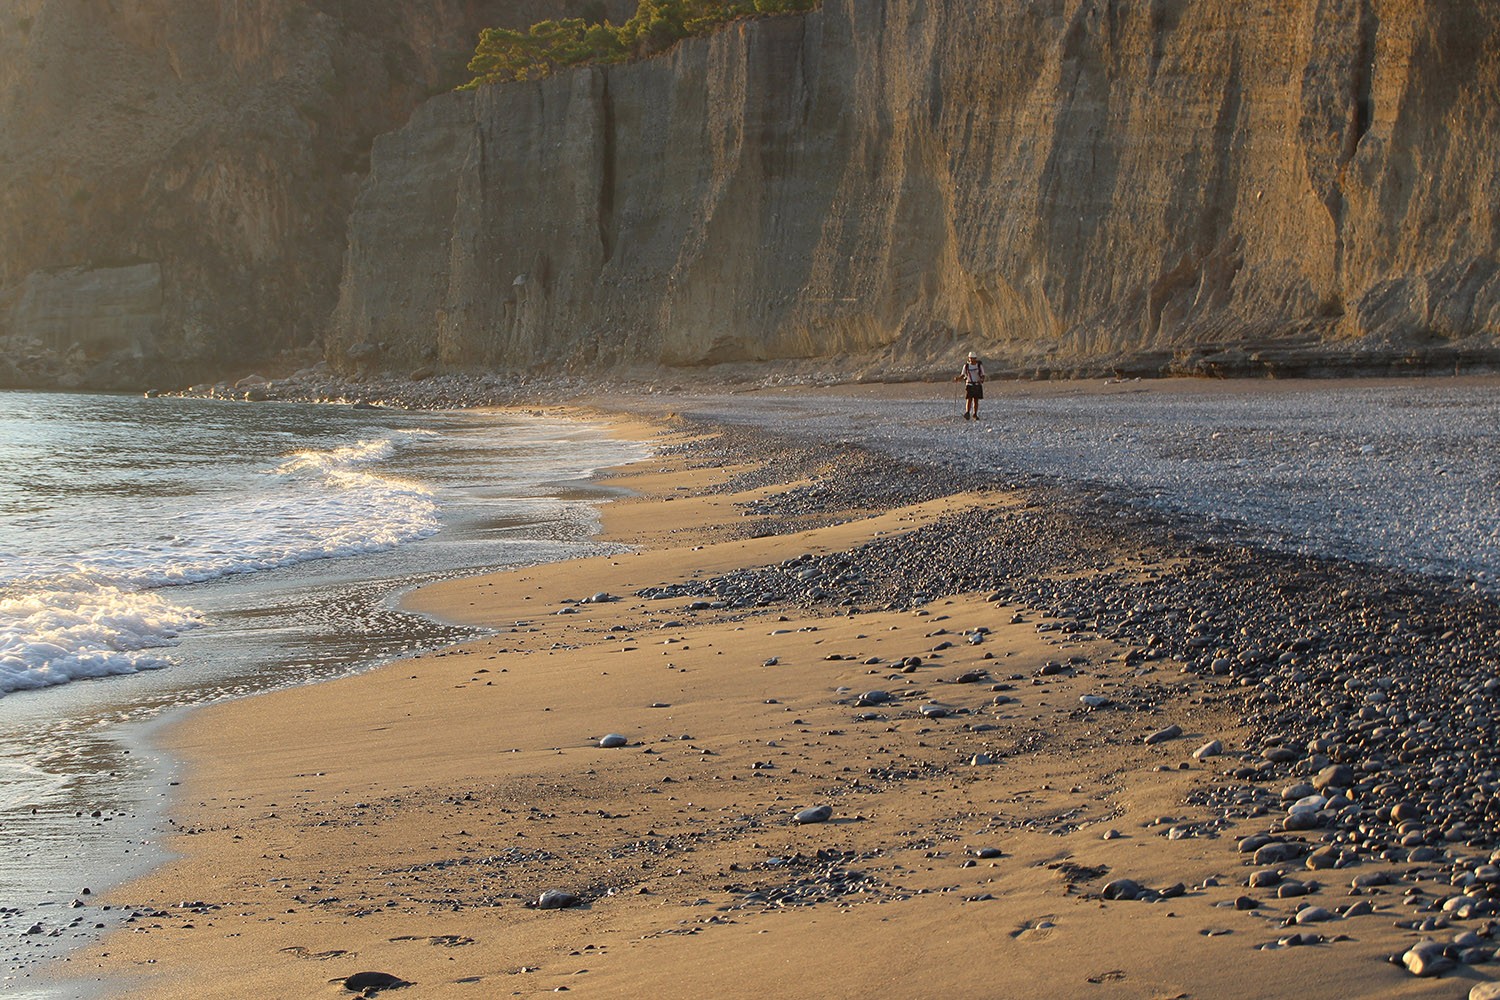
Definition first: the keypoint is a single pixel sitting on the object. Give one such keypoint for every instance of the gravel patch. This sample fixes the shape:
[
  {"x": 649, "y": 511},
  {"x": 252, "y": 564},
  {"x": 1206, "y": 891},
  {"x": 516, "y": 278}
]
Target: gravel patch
[{"x": 1405, "y": 475}]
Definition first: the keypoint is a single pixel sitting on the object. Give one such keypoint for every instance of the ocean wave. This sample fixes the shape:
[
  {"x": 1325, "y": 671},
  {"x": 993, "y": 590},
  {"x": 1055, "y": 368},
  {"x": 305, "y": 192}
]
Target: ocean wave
[
  {"x": 50, "y": 637},
  {"x": 93, "y": 614},
  {"x": 312, "y": 505}
]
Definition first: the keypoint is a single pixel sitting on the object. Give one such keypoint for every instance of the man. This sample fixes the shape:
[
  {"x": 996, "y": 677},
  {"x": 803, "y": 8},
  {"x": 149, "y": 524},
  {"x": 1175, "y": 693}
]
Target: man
[{"x": 972, "y": 376}]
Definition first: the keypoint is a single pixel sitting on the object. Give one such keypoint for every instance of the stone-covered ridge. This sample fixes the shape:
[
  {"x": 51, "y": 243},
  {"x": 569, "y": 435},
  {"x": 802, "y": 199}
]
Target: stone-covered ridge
[{"x": 1065, "y": 184}]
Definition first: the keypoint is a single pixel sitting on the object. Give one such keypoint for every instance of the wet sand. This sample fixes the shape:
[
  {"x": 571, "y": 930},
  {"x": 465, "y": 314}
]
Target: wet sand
[{"x": 401, "y": 821}]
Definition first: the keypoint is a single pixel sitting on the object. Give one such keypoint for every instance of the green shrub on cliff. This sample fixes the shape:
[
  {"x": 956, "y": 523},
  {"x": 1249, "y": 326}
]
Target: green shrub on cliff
[{"x": 505, "y": 54}]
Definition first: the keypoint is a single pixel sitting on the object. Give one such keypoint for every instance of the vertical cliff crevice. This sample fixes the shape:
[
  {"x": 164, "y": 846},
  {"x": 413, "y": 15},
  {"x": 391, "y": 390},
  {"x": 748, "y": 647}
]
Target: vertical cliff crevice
[
  {"x": 1161, "y": 21},
  {"x": 1361, "y": 78},
  {"x": 608, "y": 226}
]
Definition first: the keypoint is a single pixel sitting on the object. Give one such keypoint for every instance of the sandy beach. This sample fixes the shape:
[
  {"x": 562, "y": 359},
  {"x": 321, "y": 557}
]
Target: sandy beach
[{"x": 1014, "y": 806}]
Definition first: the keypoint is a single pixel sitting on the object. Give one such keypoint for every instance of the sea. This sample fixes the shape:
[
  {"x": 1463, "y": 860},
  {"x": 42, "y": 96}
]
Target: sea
[{"x": 160, "y": 554}]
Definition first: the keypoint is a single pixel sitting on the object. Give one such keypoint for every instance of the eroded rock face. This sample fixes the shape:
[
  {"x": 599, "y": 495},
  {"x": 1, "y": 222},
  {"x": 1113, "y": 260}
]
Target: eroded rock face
[
  {"x": 219, "y": 143},
  {"x": 82, "y": 326},
  {"x": 1065, "y": 184},
  {"x": 101, "y": 310}
]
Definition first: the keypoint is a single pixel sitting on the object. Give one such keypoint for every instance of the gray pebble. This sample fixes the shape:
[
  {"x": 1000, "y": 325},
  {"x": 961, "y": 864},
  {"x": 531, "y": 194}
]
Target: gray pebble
[
  {"x": 1334, "y": 776},
  {"x": 1162, "y": 735},
  {"x": 1122, "y": 888},
  {"x": 1426, "y": 959},
  {"x": 1313, "y": 915},
  {"x": 557, "y": 899},
  {"x": 1324, "y": 857},
  {"x": 1280, "y": 851},
  {"x": 1210, "y": 749},
  {"x": 1253, "y": 842},
  {"x": 1264, "y": 879}
]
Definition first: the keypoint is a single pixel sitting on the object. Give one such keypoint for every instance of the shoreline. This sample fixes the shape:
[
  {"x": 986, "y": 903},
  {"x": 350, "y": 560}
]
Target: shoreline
[
  {"x": 529, "y": 391},
  {"x": 297, "y": 375},
  {"x": 447, "y": 860}
]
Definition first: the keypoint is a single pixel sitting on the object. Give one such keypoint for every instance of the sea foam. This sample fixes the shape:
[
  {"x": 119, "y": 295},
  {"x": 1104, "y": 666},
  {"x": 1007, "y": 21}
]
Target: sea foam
[
  {"x": 51, "y": 637},
  {"x": 96, "y": 613}
]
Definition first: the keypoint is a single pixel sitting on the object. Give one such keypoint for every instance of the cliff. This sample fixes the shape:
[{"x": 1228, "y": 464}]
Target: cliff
[
  {"x": 1157, "y": 185},
  {"x": 1064, "y": 185},
  {"x": 176, "y": 177}
]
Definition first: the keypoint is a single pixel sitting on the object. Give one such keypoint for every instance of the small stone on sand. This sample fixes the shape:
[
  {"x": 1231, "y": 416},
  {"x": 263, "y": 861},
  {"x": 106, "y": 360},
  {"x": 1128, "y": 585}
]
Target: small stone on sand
[{"x": 815, "y": 814}]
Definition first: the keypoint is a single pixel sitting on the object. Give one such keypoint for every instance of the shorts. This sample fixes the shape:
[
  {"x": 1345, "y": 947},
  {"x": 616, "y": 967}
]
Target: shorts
[{"x": 974, "y": 390}]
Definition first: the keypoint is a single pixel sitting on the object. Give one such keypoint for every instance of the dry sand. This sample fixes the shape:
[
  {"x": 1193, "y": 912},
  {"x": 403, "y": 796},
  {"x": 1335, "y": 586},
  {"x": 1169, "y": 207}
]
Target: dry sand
[{"x": 401, "y": 820}]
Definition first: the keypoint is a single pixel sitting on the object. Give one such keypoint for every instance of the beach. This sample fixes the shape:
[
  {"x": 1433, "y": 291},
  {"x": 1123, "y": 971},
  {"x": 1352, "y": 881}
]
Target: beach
[{"x": 1003, "y": 689}]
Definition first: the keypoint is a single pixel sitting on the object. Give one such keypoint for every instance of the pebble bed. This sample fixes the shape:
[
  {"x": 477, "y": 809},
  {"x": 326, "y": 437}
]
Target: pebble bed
[
  {"x": 1402, "y": 474},
  {"x": 1370, "y": 691}
]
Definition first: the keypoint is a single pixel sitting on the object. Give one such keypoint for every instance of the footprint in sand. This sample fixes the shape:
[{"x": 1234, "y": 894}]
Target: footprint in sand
[
  {"x": 317, "y": 956},
  {"x": 1036, "y": 929},
  {"x": 438, "y": 940}
]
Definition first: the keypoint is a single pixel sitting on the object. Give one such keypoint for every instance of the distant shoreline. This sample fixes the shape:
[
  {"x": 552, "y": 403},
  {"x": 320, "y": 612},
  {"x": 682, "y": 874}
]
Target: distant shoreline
[{"x": 431, "y": 389}]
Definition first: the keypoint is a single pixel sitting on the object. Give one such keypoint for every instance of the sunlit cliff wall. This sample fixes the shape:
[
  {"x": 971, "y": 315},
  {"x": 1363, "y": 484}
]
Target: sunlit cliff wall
[{"x": 1065, "y": 184}]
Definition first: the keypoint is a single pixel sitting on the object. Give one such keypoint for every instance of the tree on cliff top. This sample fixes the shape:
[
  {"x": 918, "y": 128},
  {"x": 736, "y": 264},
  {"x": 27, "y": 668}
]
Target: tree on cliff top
[{"x": 547, "y": 46}]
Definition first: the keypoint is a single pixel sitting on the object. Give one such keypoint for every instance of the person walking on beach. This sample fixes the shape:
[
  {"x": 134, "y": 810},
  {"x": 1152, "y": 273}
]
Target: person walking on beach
[{"x": 972, "y": 376}]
